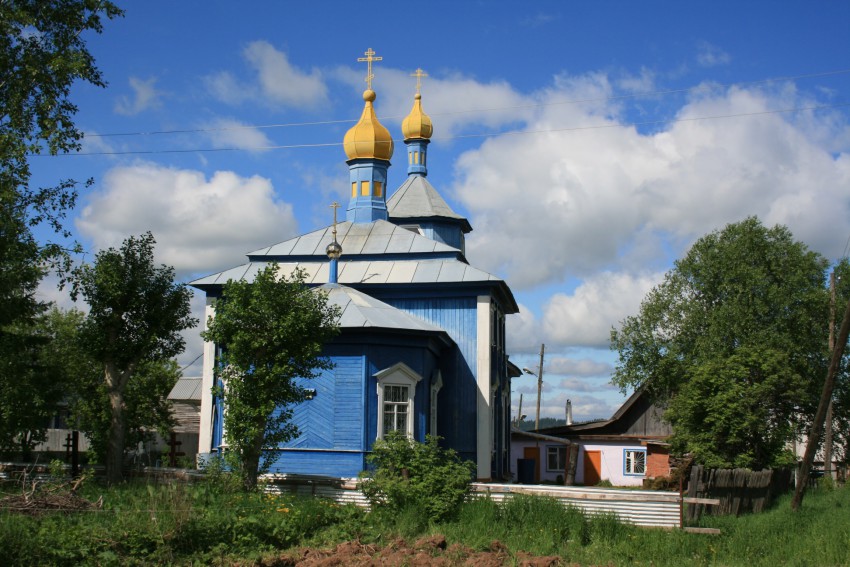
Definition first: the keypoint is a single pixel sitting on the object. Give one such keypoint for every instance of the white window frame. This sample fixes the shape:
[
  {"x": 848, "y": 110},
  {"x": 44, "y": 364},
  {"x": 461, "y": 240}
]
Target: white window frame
[
  {"x": 397, "y": 375},
  {"x": 631, "y": 464},
  {"x": 557, "y": 449}
]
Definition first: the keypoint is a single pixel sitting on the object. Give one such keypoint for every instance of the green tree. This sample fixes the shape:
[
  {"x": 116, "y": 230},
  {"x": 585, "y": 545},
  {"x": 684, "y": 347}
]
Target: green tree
[
  {"x": 734, "y": 341},
  {"x": 269, "y": 332},
  {"x": 42, "y": 53},
  {"x": 136, "y": 314}
]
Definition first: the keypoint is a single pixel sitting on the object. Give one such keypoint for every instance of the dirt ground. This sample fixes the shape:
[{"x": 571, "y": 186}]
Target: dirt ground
[{"x": 428, "y": 551}]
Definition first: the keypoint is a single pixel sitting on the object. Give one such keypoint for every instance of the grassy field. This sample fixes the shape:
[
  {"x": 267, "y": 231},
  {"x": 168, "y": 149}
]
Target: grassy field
[{"x": 206, "y": 524}]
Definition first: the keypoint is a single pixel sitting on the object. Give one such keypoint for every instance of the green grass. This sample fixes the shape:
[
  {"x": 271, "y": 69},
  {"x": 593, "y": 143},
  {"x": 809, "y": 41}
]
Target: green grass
[{"x": 206, "y": 524}]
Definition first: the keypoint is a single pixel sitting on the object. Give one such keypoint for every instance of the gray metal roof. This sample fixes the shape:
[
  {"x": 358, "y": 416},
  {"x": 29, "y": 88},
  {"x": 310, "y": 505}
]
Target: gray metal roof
[
  {"x": 378, "y": 237},
  {"x": 363, "y": 311},
  {"x": 416, "y": 198},
  {"x": 448, "y": 270},
  {"x": 186, "y": 389}
]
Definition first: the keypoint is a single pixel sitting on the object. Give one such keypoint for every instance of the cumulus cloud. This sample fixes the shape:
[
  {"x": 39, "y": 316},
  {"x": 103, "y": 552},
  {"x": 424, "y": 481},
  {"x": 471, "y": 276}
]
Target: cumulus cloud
[
  {"x": 145, "y": 96},
  {"x": 455, "y": 102},
  {"x": 586, "y": 316},
  {"x": 230, "y": 133},
  {"x": 584, "y": 385},
  {"x": 568, "y": 202},
  {"x": 577, "y": 367},
  {"x": 275, "y": 81},
  {"x": 201, "y": 225}
]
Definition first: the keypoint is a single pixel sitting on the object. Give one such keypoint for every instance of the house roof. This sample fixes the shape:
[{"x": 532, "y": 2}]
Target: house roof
[
  {"x": 186, "y": 389},
  {"x": 417, "y": 199},
  {"x": 637, "y": 409}
]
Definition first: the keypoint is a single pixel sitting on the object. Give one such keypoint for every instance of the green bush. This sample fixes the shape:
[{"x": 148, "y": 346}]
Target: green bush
[{"x": 423, "y": 476}]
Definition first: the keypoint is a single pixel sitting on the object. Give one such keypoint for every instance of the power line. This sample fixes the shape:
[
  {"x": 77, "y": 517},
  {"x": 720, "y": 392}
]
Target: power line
[
  {"x": 463, "y": 136},
  {"x": 648, "y": 94}
]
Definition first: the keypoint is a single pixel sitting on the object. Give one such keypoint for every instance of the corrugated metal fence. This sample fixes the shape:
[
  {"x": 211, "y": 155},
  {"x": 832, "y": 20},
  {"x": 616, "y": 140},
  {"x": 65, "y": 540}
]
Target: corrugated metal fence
[{"x": 638, "y": 507}]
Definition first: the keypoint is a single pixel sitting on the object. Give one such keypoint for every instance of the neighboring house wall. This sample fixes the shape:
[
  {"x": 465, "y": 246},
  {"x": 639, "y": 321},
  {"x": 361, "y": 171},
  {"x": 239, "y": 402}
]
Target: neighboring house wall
[{"x": 613, "y": 463}]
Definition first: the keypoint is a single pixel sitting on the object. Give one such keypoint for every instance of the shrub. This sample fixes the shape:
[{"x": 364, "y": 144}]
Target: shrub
[{"x": 409, "y": 474}]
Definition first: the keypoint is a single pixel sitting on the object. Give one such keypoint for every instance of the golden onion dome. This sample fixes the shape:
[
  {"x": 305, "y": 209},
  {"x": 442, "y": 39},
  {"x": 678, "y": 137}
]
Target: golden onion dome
[
  {"x": 417, "y": 124},
  {"x": 368, "y": 138}
]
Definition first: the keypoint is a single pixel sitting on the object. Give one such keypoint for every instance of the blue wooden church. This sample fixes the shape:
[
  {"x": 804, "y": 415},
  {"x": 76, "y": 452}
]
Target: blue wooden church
[{"x": 422, "y": 342}]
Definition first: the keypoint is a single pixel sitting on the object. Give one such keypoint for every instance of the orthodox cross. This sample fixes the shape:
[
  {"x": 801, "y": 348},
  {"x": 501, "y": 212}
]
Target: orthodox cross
[
  {"x": 334, "y": 206},
  {"x": 419, "y": 74},
  {"x": 370, "y": 56}
]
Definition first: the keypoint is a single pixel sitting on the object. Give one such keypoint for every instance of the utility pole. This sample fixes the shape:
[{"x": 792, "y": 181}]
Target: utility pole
[
  {"x": 519, "y": 412},
  {"x": 539, "y": 386},
  {"x": 827, "y": 435},
  {"x": 820, "y": 416}
]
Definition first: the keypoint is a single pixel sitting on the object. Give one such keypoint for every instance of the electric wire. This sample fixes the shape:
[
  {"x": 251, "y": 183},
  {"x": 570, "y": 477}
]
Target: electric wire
[
  {"x": 647, "y": 94},
  {"x": 461, "y": 136}
]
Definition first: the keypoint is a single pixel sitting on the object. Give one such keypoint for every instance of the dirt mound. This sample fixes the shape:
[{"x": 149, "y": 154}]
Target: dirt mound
[{"x": 427, "y": 551}]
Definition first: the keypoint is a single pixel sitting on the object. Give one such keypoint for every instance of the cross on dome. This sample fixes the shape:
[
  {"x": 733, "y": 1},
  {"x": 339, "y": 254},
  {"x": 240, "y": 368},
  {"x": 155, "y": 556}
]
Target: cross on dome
[
  {"x": 419, "y": 73},
  {"x": 370, "y": 56}
]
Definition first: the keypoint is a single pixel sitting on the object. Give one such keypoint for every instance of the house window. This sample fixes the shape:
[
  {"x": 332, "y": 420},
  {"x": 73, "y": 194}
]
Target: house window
[
  {"x": 634, "y": 462},
  {"x": 396, "y": 391},
  {"x": 556, "y": 459}
]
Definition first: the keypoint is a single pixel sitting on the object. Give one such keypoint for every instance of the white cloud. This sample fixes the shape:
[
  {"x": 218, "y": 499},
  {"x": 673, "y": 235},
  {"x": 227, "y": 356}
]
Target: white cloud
[
  {"x": 709, "y": 55},
  {"x": 230, "y": 133},
  {"x": 585, "y": 318},
  {"x": 454, "y": 102},
  {"x": 523, "y": 331},
  {"x": 201, "y": 225},
  {"x": 584, "y": 385},
  {"x": 276, "y": 81},
  {"x": 567, "y": 204},
  {"x": 585, "y": 367},
  {"x": 145, "y": 96}
]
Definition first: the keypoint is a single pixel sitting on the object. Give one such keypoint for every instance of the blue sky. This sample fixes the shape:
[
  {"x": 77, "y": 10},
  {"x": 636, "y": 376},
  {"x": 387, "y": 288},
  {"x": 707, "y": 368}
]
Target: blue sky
[{"x": 588, "y": 143}]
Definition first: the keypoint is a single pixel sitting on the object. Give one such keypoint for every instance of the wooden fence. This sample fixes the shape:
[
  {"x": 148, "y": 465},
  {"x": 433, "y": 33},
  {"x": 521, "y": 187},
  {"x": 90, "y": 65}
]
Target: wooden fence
[{"x": 738, "y": 490}]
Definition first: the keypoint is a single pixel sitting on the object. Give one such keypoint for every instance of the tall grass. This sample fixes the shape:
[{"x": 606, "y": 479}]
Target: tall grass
[{"x": 204, "y": 524}]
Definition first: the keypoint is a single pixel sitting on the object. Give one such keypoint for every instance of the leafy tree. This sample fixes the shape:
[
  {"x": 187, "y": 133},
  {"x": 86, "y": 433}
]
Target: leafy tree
[
  {"x": 270, "y": 332},
  {"x": 423, "y": 476},
  {"x": 42, "y": 53},
  {"x": 734, "y": 341},
  {"x": 136, "y": 315}
]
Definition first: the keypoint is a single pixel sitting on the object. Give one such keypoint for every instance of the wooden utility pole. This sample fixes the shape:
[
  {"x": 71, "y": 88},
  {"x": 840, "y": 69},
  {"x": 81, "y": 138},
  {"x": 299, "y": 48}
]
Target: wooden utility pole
[
  {"x": 519, "y": 412},
  {"x": 820, "y": 415},
  {"x": 539, "y": 386},
  {"x": 827, "y": 434}
]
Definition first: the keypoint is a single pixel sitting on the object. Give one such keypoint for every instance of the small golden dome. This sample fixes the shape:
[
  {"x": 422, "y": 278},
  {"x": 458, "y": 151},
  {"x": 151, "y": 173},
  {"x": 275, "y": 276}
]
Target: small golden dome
[
  {"x": 417, "y": 124},
  {"x": 368, "y": 138}
]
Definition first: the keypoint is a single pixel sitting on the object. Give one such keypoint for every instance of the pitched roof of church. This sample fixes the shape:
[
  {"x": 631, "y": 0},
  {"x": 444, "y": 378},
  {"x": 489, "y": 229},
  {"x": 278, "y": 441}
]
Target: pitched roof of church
[
  {"x": 417, "y": 199},
  {"x": 359, "y": 310},
  {"x": 379, "y": 237}
]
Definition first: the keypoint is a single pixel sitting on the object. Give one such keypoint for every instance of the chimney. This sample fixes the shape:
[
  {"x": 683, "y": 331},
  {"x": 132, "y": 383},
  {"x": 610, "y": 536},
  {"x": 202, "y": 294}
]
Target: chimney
[{"x": 569, "y": 409}]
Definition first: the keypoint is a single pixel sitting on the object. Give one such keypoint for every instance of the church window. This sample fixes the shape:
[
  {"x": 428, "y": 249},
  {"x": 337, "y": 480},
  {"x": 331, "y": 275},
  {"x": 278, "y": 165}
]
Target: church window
[
  {"x": 416, "y": 158},
  {"x": 379, "y": 189},
  {"x": 410, "y": 158},
  {"x": 415, "y": 228},
  {"x": 396, "y": 393},
  {"x": 396, "y": 409},
  {"x": 364, "y": 188},
  {"x": 353, "y": 189}
]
